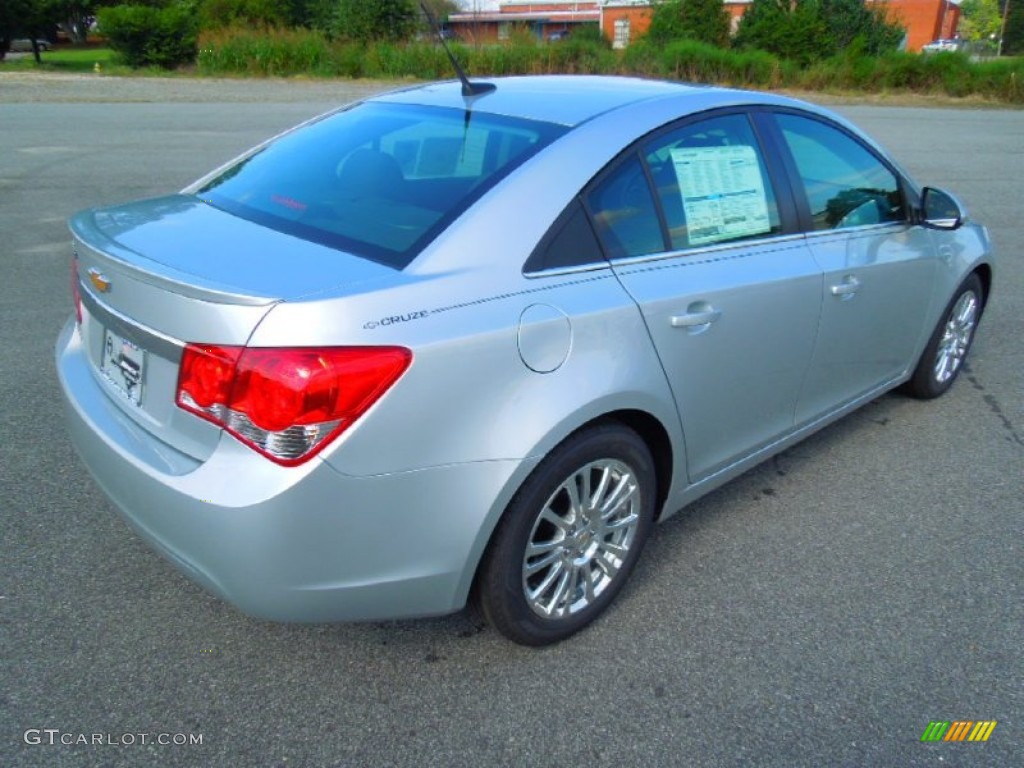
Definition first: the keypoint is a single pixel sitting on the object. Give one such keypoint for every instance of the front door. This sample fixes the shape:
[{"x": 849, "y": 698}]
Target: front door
[{"x": 878, "y": 267}]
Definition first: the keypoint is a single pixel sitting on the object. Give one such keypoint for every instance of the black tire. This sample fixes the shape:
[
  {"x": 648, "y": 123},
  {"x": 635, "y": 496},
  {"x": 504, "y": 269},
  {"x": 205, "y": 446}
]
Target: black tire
[
  {"x": 947, "y": 349},
  {"x": 579, "y": 551}
]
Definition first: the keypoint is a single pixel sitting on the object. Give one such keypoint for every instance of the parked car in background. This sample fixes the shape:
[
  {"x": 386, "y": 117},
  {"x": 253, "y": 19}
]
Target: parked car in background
[
  {"x": 943, "y": 46},
  {"x": 23, "y": 45},
  {"x": 434, "y": 344}
]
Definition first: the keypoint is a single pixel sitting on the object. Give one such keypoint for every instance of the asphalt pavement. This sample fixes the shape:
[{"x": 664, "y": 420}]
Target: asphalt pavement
[{"x": 821, "y": 610}]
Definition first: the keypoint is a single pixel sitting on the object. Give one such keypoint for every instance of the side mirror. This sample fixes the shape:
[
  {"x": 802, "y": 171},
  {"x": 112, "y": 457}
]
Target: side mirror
[{"x": 940, "y": 210}]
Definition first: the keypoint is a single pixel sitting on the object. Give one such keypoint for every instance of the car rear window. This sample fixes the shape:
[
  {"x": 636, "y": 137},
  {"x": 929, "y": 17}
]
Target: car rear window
[{"x": 377, "y": 180}]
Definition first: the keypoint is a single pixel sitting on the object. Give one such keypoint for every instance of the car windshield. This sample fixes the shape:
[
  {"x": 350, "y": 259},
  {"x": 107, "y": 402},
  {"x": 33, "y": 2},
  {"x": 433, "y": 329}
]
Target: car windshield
[{"x": 377, "y": 180}]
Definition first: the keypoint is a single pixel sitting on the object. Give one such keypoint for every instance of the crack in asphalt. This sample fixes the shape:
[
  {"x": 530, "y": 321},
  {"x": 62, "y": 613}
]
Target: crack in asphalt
[{"x": 993, "y": 404}]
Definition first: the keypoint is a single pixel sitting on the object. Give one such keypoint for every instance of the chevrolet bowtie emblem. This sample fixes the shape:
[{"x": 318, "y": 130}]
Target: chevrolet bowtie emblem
[{"x": 99, "y": 281}]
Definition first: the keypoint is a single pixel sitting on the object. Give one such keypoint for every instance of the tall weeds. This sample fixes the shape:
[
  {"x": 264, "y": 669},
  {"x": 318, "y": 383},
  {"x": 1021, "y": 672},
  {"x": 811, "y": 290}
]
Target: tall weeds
[{"x": 289, "y": 52}]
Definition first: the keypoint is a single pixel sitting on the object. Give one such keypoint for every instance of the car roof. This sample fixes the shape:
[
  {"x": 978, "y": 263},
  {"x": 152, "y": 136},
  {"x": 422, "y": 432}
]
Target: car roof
[
  {"x": 564, "y": 99},
  {"x": 572, "y": 100}
]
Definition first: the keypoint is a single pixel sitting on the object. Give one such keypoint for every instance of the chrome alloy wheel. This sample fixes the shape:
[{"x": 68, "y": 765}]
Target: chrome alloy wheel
[
  {"x": 581, "y": 538},
  {"x": 956, "y": 337}
]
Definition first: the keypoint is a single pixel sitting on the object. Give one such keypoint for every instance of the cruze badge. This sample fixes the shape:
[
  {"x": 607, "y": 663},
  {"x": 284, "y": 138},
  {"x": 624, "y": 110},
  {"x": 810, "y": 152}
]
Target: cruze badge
[{"x": 99, "y": 281}]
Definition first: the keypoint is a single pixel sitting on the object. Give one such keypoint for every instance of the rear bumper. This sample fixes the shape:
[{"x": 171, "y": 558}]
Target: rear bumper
[{"x": 290, "y": 544}]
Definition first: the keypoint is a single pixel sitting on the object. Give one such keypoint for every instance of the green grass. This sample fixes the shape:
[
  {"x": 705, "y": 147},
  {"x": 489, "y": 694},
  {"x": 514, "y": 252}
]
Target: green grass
[{"x": 64, "y": 60}]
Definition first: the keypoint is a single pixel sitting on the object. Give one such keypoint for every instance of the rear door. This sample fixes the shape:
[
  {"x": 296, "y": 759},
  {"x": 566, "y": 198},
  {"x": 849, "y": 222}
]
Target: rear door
[{"x": 706, "y": 243}]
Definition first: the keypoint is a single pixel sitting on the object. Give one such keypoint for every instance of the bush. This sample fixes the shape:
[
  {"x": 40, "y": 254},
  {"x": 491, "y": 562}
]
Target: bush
[
  {"x": 590, "y": 33},
  {"x": 1001, "y": 79},
  {"x": 145, "y": 36},
  {"x": 579, "y": 56},
  {"x": 697, "y": 62},
  {"x": 797, "y": 31},
  {"x": 841, "y": 72},
  {"x": 810, "y": 30},
  {"x": 519, "y": 57},
  {"x": 369, "y": 20},
  {"x": 952, "y": 74},
  {"x": 218, "y": 14},
  {"x": 853, "y": 25},
  {"x": 704, "y": 20},
  {"x": 266, "y": 53}
]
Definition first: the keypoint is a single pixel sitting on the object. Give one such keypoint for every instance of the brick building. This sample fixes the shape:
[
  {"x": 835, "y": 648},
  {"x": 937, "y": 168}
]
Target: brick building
[
  {"x": 624, "y": 21},
  {"x": 552, "y": 20}
]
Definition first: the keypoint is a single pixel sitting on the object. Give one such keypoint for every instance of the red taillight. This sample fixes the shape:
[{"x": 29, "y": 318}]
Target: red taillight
[
  {"x": 76, "y": 292},
  {"x": 207, "y": 373},
  {"x": 286, "y": 403}
]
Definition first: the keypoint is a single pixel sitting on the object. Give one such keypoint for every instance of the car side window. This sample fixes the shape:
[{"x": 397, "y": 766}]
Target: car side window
[
  {"x": 624, "y": 213},
  {"x": 712, "y": 183},
  {"x": 845, "y": 183},
  {"x": 570, "y": 242}
]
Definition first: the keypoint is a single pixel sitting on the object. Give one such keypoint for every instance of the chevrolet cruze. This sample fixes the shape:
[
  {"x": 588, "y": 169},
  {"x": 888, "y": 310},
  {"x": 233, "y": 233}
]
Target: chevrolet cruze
[{"x": 454, "y": 341}]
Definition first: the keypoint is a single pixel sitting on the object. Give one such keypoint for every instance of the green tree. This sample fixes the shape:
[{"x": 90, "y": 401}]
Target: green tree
[
  {"x": 703, "y": 20},
  {"x": 76, "y": 17},
  {"x": 441, "y": 9},
  {"x": 1013, "y": 37},
  {"x": 367, "y": 20},
  {"x": 761, "y": 25},
  {"x": 807, "y": 30},
  {"x": 216, "y": 14},
  {"x": 40, "y": 18},
  {"x": 980, "y": 19},
  {"x": 796, "y": 31},
  {"x": 316, "y": 14},
  {"x": 22, "y": 18},
  {"x": 438, "y": 10},
  {"x": 853, "y": 26}
]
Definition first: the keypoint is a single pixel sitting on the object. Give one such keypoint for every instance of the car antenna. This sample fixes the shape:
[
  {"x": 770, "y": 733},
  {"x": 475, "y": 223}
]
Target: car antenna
[{"x": 469, "y": 88}]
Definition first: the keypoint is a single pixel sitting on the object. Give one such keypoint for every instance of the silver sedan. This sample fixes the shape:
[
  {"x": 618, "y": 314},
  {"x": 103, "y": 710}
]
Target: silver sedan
[{"x": 459, "y": 341}]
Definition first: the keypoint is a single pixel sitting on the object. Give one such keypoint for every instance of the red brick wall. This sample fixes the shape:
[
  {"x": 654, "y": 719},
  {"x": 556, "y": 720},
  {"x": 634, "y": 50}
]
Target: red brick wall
[
  {"x": 924, "y": 20},
  {"x": 639, "y": 20}
]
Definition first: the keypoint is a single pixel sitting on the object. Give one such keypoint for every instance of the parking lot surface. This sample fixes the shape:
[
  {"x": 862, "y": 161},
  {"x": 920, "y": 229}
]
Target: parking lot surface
[{"x": 821, "y": 610}]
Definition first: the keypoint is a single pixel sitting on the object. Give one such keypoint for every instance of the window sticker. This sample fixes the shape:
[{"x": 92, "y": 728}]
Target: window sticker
[{"x": 723, "y": 193}]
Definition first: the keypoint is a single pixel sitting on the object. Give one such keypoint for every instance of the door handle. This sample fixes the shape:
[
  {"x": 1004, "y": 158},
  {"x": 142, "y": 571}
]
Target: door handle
[
  {"x": 847, "y": 288},
  {"x": 693, "y": 319}
]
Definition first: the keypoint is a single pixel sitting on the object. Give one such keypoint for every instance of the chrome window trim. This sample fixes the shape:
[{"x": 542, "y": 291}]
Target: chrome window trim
[
  {"x": 627, "y": 261},
  {"x": 819, "y": 234},
  {"x": 574, "y": 270},
  {"x": 696, "y": 253}
]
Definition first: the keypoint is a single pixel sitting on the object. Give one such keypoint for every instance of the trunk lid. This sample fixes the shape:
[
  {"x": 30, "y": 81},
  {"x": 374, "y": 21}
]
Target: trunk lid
[{"x": 157, "y": 274}]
